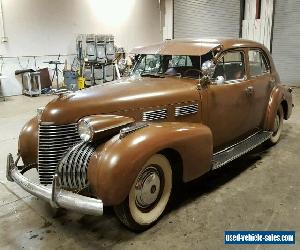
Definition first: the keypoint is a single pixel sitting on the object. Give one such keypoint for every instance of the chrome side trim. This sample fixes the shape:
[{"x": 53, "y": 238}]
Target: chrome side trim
[
  {"x": 154, "y": 115},
  {"x": 233, "y": 145},
  {"x": 128, "y": 130},
  {"x": 229, "y": 154},
  {"x": 53, "y": 194}
]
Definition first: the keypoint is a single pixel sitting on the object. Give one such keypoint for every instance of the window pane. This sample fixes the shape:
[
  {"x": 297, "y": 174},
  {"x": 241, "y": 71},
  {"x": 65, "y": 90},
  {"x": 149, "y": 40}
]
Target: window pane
[
  {"x": 180, "y": 61},
  {"x": 257, "y": 63},
  {"x": 149, "y": 64},
  {"x": 232, "y": 57},
  {"x": 186, "y": 66},
  {"x": 177, "y": 61},
  {"x": 230, "y": 66}
]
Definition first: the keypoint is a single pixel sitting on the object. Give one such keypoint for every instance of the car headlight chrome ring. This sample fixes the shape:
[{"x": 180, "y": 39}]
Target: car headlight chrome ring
[{"x": 85, "y": 130}]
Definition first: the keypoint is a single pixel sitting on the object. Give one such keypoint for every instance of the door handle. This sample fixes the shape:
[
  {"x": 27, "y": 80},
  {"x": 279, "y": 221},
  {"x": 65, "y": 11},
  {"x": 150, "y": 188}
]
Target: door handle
[{"x": 249, "y": 91}]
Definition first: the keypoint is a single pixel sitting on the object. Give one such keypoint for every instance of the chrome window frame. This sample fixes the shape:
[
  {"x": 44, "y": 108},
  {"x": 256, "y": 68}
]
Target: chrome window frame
[{"x": 233, "y": 81}]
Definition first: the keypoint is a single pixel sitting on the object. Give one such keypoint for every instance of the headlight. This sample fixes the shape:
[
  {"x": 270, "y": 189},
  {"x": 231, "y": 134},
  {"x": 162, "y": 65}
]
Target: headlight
[
  {"x": 97, "y": 127},
  {"x": 39, "y": 112},
  {"x": 85, "y": 130}
]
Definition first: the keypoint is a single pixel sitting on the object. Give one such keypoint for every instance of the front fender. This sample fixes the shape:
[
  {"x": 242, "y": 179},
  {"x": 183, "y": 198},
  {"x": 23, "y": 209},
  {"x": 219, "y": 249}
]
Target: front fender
[
  {"x": 28, "y": 142},
  {"x": 114, "y": 166}
]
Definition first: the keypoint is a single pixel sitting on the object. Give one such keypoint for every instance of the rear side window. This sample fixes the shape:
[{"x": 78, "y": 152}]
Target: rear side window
[{"x": 257, "y": 63}]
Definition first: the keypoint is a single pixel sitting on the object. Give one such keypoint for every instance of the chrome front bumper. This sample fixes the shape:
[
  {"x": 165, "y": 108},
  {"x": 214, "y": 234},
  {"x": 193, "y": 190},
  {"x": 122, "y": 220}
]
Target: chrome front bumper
[{"x": 53, "y": 194}]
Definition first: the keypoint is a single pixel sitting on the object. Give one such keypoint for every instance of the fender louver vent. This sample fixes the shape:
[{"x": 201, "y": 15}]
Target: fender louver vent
[
  {"x": 186, "y": 110},
  {"x": 155, "y": 115}
]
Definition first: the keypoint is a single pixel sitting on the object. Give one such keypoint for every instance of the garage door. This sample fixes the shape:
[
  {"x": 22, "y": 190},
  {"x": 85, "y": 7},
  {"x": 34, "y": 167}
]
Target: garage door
[
  {"x": 286, "y": 37},
  {"x": 206, "y": 18}
]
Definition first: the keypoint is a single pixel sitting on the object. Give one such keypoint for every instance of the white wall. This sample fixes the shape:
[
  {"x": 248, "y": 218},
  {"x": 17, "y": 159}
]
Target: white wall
[
  {"x": 258, "y": 29},
  {"x": 168, "y": 20},
  {"x": 43, "y": 27}
]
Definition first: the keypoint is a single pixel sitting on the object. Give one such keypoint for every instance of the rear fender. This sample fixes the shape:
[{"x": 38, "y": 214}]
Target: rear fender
[
  {"x": 114, "y": 166},
  {"x": 278, "y": 95}
]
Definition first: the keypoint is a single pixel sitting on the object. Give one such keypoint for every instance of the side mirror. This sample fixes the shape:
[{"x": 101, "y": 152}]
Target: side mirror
[{"x": 208, "y": 69}]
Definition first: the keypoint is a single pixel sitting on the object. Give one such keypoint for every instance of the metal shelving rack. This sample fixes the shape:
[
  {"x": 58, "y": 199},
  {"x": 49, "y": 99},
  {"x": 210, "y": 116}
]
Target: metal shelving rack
[{"x": 96, "y": 55}]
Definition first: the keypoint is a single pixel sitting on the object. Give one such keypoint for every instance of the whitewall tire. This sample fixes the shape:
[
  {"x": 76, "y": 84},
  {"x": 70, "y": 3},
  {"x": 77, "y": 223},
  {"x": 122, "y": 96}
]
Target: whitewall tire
[
  {"x": 148, "y": 196},
  {"x": 278, "y": 125}
]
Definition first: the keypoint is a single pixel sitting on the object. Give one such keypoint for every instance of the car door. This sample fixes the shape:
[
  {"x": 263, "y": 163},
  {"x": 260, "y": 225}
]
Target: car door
[
  {"x": 228, "y": 103},
  {"x": 262, "y": 82}
]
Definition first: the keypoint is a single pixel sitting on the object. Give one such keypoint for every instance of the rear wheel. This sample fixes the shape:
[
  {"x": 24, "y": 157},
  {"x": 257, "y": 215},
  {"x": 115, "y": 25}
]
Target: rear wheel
[
  {"x": 278, "y": 124},
  {"x": 148, "y": 195}
]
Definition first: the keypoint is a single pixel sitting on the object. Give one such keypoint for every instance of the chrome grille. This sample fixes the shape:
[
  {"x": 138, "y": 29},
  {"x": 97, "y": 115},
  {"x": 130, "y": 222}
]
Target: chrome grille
[
  {"x": 54, "y": 141},
  {"x": 154, "y": 115},
  {"x": 186, "y": 110},
  {"x": 72, "y": 168}
]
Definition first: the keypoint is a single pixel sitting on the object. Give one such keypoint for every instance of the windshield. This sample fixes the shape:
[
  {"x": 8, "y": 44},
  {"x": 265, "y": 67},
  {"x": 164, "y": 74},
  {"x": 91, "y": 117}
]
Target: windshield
[{"x": 185, "y": 66}]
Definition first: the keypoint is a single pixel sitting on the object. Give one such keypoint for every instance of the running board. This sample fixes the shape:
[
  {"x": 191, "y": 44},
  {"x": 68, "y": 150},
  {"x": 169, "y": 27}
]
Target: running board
[{"x": 231, "y": 153}]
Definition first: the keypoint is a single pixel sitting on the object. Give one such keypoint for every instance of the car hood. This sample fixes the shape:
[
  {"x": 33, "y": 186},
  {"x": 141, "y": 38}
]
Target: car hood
[{"x": 126, "y": 95}]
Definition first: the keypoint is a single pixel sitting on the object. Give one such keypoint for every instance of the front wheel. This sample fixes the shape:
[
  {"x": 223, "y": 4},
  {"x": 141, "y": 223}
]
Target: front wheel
[
  {"x": 278, "y": 124},
  {"x": 148, "y": 195}
]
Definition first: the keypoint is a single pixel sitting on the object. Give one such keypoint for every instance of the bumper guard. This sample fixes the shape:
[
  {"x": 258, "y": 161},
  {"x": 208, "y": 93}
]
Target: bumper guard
[{"x": 56, "y": 196}]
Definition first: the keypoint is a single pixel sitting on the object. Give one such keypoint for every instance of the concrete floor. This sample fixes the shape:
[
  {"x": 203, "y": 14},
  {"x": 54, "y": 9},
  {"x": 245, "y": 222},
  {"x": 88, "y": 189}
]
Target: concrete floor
[{"x": 260, "y": 191}]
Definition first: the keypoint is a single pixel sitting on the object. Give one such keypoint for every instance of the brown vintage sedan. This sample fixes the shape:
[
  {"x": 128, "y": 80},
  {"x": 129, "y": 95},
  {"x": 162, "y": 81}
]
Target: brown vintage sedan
[{"x": 189, "y": 107}]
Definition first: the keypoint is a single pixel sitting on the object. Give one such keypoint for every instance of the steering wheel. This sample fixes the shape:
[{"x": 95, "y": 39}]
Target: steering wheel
[{"x": 188, "y": 70}]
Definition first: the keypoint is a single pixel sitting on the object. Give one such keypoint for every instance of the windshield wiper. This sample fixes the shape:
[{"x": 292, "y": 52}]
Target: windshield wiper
[{"x": 152, "y": 75}]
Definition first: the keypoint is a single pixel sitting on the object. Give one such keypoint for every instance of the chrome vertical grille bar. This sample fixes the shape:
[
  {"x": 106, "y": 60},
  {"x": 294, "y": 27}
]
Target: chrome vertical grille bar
[
  {"x": 72, "y": 168},
  {"x": 54, "y": 141}
]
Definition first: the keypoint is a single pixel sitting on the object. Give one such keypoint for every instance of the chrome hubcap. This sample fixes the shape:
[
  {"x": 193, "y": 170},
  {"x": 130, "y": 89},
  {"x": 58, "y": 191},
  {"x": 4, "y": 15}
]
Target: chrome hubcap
[{"x": 147, "y": 188}]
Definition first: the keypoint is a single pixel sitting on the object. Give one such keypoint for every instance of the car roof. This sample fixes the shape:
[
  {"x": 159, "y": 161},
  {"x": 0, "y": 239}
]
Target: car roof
[{"x": 194, "y": 46}]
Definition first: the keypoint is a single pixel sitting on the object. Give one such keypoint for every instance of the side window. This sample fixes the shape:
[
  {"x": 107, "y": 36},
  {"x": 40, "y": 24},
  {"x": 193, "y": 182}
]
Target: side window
[
  {"x": 180, "y": 61},
  {"x": 149, "y": 64},
  {"x": 257, "y": 63},
  {"x": 182, "y": 65},
  {"x": 231, "y": 66}
]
